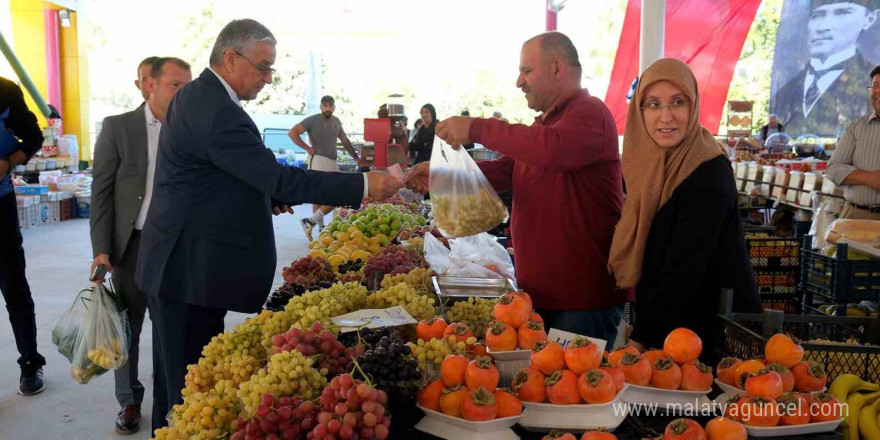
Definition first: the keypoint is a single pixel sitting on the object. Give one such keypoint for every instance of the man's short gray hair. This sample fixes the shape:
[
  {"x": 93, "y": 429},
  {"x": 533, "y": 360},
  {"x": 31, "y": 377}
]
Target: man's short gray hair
[
  {"x": 558, "y": 45},
  {"x": 772, "y": 115},
  {"x": 240, "y": 36}
]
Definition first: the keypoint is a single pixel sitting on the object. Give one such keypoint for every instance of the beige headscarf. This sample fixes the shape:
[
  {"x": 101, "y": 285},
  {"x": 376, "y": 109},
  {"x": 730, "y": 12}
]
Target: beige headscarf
[{"x": 652, "y": 173}]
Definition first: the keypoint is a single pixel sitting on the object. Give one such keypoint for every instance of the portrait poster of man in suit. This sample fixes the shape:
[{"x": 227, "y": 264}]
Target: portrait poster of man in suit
[{"x": 825, "y": 50}]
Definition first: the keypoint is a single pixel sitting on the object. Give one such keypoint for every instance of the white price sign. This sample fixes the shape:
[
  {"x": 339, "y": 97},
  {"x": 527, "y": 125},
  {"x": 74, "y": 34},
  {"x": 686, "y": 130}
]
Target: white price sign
[
  {"x": 373, "y": 318},
  {"x": 563, "y": 338}
]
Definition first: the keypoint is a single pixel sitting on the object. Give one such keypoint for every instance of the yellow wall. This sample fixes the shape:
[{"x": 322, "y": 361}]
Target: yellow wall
[{"x": 30, "y": 47}]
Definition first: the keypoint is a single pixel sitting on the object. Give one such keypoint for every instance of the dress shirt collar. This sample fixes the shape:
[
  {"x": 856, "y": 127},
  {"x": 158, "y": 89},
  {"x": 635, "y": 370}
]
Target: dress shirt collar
[
  {"x": 232, "y": 94},
  {"x": 151, "y": 119},
  {"x": 833, "y": 60}
]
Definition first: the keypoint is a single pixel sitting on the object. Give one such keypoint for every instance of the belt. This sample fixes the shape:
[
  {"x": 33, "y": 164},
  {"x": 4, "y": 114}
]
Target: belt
[{"x": 871, "y": 208}]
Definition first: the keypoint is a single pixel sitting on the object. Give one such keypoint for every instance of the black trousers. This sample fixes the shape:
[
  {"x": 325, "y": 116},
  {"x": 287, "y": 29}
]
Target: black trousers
[
  {"x": 15, "y": 289},
  {"x": 180, "y": 331},
  {"x": 129, "y": 389}
]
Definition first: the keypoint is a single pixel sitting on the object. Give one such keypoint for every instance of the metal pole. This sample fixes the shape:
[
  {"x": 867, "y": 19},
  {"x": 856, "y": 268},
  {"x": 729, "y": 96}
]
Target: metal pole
[
  {"x": 25, "y": 79},
  {"x": 550, "y": 21},
  {"x": 653, "y": 30}
]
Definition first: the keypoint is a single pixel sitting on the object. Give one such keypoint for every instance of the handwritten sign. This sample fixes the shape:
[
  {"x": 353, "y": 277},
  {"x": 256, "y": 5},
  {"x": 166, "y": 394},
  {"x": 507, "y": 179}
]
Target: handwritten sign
[
  {"x": 373, "y": 318},
  {"x": 563, "y": 338}
]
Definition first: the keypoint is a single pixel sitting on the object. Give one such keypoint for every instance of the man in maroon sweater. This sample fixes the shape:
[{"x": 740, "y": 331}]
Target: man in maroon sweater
[{"x": 567, "y": 189}]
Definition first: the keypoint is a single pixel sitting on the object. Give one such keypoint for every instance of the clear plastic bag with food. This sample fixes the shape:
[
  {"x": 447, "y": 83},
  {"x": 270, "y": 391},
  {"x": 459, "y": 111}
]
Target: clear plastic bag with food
[
  {"x": 464, "y": 203},
  {"x": 94, "y": 334},
  {"x": 483, "y": 250}
]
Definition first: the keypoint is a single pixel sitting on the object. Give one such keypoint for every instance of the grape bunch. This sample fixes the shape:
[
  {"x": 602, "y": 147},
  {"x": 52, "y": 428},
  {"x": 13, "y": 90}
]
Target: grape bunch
[
  {"x": 388, "y": 364},
  {"x": 350, "y": 266},
  {"x": 308, "y": 271},
  {"x": 351, "y": 409},
  {"x": 393, "y": 260},
  {"x": 315, "y": 306},
  {"x": 233, "y": 355},
  {"x": 332, "y": 357},
  {"x": 288, "y": 373},
  {"x": 436, "y": 350},
  {"x": 402, "y": 294},
  {"x": 203, "y": 415},
  {"x": 475, "y": 312},
  {"x": 419, "y": 278},
  {"x": 281, "y": 296},
  {"x": 287, "y": 418}
]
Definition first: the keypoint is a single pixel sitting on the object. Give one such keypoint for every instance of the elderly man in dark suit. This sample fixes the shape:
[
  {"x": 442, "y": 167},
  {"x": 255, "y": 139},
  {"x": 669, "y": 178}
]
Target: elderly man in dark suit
[
  {"x": 124, "y": 167},
  {"x": 827, "y": 94},
  {"x": 208, "y": 245},
  {"x": 20, "y": 139}
]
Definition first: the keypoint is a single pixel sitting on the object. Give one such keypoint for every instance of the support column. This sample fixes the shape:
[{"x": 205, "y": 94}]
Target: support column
[
  {"x": 551, "y": 17},
  {"x": 653, "y": 32}
]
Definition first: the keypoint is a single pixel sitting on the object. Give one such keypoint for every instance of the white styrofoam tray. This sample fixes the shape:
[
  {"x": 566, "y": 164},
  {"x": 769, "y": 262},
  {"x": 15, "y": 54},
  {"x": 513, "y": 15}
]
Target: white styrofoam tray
[
  {"x": 729, "y": 389},
  {"x": 635, "y": 394},
  {"x": 580, "y": 417},
  {"x": 780, "y": 431},
  {"x": 512, "y": 355},
  {"x": 454, "y": 428}
]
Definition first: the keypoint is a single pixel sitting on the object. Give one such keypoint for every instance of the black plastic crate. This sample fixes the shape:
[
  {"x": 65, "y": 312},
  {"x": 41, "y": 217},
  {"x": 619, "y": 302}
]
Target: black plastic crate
[
  {"x": 787, "y": 303},
  {"x": 839, "y": 279},
  {"x": 835, "y": 342},
  {"x": 801, "y": 228},
  {"x": 773, "y": 252}
]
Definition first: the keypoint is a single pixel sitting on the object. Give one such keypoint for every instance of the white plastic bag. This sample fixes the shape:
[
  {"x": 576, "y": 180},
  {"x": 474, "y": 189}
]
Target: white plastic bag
[
  {"x": 94, "y": 334},
  {"x": 482, "y": 250},
  {"x": 436, "y": 254},
  {"x": 464, "y": 202}
]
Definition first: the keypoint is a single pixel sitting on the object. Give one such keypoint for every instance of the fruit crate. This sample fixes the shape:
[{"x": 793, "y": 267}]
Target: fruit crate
[
  {"x": 840, "y": 280},
  {"x": 801, "y": 228},
  {"x": 836, "y": 342},
  {"x": 773, "y": 252}
]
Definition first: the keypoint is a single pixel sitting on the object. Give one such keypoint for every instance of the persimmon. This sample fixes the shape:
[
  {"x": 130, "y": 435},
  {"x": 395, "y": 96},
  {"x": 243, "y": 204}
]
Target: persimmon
[
  {"x": 429, "y": 396},
  {"x": 500, "y": 336},
  {"x": 479, "y": 405},
  {"x": 793, "y": 409},
  {"x": 596, "y": 386},
  {"x": 558, "y": 434},
  {"x": 696, "y": 376},
  {"x": 744, "y": 369},
  {"x": 684, "y": 429},
  {"x": 732, "y": 406},
  {"x": 434, "y": 329},
  {"x": 726, "y": 370},
  {"x": 636, "y": 369},
  {"x": 581, "y": 355},
  {"x": 562, "y": 388},
  {"x": 782, "y": 349},
  {"x": 615, "y": 356},
  {"x": 528, "y": 384},
  {"x": 809, "y": 376},
  {"x": 481, "y": 372},
  {"x": 683, "y": 345},
  {"x": 616, "y": 373},
  {"x": 451, "y": 400},
  {"x": 478, "y": 349},
  {"x": 534, "y": 316},
  {"x": 654, "y": 355},
  {"x": 530, "y": 334},
  {"x": 826, "y": 408},
  {"x": 512, "y": 310},
  {"x": 722, "y": 428},
  {"x": 547, "y": 356},
  {"x": 665, "y": 374},
  {"x": 507, "y": 404},
  {"x": 452, "y": 370},
  {"x": 525, "y": 297},
  {"x": 765, "y": 383},
  {"x": 786, "y": 375},
  {"x": 760, "y": 411},
  {"x": 459, "y": 331},
  {"x": 598, "y": 435}
]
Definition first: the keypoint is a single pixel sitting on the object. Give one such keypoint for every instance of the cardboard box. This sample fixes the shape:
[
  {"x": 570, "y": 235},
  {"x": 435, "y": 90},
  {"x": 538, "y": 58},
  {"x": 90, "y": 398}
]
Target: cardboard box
[
  {"x": 795, "y": 181},
  {"x": 812, "y": 182},
  {"x": 54, "y": 212},
  {"x": 22, "y": 218},
  {"x": 781, "y": 180},
  {"x": 767, "y": 177},
  {"x": 32, "y": 213},
  {"x": 66, "y": 212},
  {"x": 32, "y": 189}
]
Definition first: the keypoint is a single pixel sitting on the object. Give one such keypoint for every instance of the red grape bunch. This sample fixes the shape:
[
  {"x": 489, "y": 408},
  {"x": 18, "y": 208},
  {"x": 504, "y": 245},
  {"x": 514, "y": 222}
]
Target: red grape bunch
[
  {"x": 287, "y": 418},
  {"x": 351, "y": 409},
  {"x": 334, "y": 357},
  {"x": 308, "y": 271},
  {"x": 393, "y": 260}
]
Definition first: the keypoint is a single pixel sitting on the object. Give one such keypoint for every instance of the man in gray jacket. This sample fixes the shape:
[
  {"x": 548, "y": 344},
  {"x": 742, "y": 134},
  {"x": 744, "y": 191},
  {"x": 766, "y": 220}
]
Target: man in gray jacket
[{"x": 125, "y": 163}]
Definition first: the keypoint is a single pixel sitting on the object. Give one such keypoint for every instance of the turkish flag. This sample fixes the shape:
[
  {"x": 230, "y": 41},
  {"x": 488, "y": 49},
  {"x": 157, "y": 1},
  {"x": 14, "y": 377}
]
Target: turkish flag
[{"x": 708, "y": 35}]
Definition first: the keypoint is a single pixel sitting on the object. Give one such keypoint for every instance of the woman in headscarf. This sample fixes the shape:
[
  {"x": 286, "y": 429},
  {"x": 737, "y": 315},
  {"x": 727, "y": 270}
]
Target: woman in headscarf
[
  {"x": 423, "y": 142},
  {"x": 679, "y": 240}
]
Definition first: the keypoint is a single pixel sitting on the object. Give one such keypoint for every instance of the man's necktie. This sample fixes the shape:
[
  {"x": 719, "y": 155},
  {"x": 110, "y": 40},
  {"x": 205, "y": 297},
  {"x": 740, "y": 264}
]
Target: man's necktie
[{"x": 813, "y": 92}]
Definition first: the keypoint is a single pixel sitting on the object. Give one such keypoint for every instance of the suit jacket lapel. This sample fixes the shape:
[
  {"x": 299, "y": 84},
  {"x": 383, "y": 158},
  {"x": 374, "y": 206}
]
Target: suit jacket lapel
[{"x": 137, "y": 138}]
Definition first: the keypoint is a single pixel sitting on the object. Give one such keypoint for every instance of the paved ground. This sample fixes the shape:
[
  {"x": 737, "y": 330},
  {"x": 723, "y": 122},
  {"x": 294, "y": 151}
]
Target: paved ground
[{"x": 58, "y": 258}]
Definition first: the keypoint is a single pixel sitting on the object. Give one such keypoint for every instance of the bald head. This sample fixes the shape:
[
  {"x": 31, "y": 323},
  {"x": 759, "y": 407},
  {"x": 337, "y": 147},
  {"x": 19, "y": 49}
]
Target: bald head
[
  {"x": 549, "y": 68},
  {"x": 557, "y": 46}
]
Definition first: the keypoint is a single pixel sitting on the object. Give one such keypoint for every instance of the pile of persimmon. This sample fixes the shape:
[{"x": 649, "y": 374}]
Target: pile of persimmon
[
  {"x": 788, "y": 409},
  {"x": 782, "y": 370},
  {"x": 566, "y": 376},
  {"x": 719, "y": 428},
  {"x": 469, "y": 390},
  {"x": 516, "y": 325},
  {"x": 675, "y": 367},
  {"x": 558, "y": 434}
]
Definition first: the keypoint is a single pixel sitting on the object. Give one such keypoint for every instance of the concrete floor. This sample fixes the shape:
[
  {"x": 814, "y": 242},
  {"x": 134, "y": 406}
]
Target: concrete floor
[{"x": 58, "y": 261}]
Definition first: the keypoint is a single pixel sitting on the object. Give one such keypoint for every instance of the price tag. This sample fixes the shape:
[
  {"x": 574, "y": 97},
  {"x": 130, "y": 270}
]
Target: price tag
[
  {"x": 563, "y": 338},
  {"x": 373, "y": 318}
]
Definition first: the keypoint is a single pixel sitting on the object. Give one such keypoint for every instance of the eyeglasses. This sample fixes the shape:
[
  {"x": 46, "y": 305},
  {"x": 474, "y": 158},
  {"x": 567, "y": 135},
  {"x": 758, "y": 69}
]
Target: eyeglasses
[
  {"x": 656, "y": 107},
  {"x": 263, "y": 69},
  {"x": 874, "y": 86}
]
